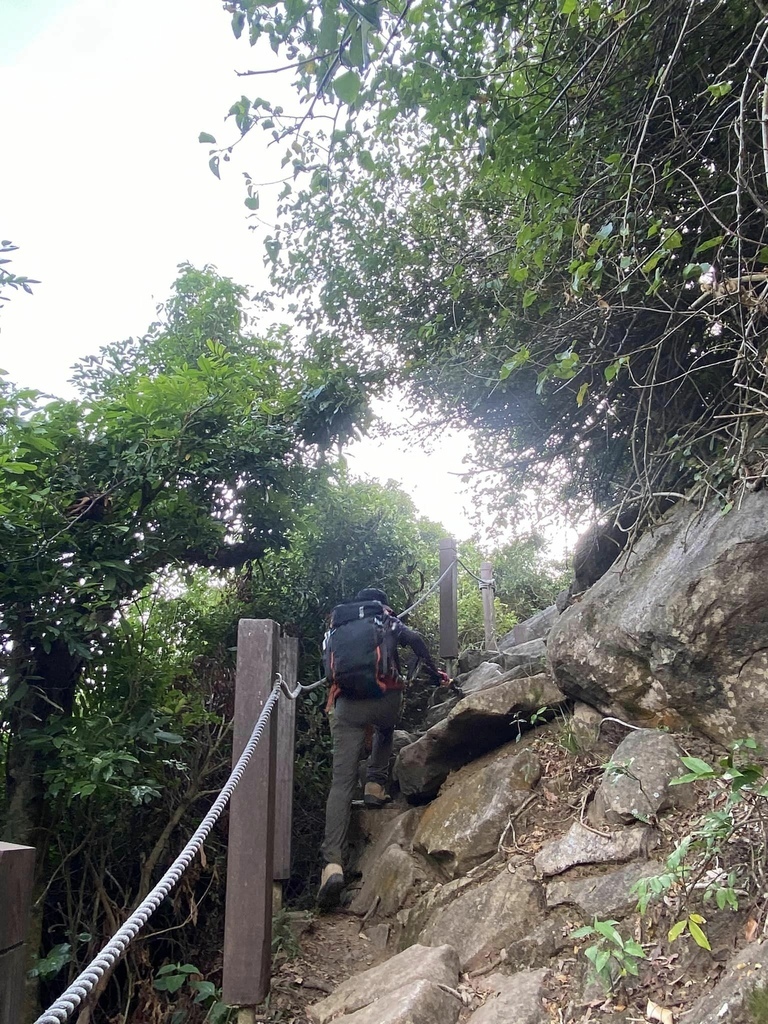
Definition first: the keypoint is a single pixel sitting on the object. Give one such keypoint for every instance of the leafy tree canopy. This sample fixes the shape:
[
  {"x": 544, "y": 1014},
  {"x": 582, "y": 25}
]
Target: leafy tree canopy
[
  {"x": 546, "y": 219},
  {"x": 194, "y": 445}
]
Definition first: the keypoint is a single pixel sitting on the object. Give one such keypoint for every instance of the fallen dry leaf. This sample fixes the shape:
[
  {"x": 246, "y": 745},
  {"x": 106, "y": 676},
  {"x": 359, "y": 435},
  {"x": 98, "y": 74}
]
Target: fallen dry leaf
[
  {"x": 655, "y": 1012},
  {"x": 750, "y": 930}
]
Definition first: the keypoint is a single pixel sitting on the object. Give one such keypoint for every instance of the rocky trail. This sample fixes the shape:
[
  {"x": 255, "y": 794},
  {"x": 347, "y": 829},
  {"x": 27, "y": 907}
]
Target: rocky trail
[{"x": 540, "y": 862}]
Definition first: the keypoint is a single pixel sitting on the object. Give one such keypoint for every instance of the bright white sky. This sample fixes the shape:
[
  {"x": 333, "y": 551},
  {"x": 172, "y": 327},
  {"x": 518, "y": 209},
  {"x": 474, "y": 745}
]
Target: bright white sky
[{"x": 106, "y": 189}]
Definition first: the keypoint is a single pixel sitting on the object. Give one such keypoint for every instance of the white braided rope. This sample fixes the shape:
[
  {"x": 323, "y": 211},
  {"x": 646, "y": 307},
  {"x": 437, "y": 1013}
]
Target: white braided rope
[
  {"x": 434, "y": 587},
  {"x": 85, "y": 982}
]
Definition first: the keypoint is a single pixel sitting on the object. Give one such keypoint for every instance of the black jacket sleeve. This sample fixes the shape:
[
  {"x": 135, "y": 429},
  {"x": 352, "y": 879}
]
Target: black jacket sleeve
[{"x": 410, "y": 638}]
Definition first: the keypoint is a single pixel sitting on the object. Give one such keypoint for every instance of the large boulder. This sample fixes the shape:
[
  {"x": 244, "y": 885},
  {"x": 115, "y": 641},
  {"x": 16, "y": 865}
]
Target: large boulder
[
  {"x": 463, "y": 825},
  {"x": 537, "y": 627},
  {"x": 476, "y": 919},
  {"x": 677, "y": 631},
  {"x": 639, "y": 786},
  {"x": 531, "y": 656},
  {"x": 583, "y": 845},
  {"x": 528, "y": 659},
  {"x": 395, "y": 826},
  {"x": 729, "y": 1001},
  {"x": 486, "y": 674},
  {"x": 391, "y": 878},
  {"x": 605, "y": 895},
  {"x": 477, "y": 724},
  {"x": 516, "y": 997},
  {"x": 438, "y": 962},
  {"x": 421, "y": 1001}
]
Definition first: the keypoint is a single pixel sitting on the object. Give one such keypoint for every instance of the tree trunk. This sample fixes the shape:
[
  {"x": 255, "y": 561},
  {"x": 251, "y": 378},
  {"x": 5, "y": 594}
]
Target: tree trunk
[{"x": 41, "y": 684}]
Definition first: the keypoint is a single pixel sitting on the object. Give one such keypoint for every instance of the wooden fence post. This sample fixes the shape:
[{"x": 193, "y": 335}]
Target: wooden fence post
[
  {"x": 248, "y": 920},
  {"x": 286, "y": 743},
  {"x": 17, "y": 869},
  {"x": 449, "y": 619},
  {"x": 488, "y": 592}
]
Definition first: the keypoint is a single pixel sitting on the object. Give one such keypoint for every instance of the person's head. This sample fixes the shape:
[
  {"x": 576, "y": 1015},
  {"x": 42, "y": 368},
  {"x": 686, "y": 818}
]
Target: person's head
[{"x": 373, "y": 594}]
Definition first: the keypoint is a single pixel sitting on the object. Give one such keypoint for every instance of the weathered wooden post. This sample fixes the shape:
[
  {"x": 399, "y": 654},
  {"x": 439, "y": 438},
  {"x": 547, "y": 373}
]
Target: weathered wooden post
[
  {"x": 449, "y": 618},
  {"x": 17, "y": 869},
  {"x": 488, "y": 592},
  {"x": 248, "y": 921},
  {"x": 286, "y": 742}
]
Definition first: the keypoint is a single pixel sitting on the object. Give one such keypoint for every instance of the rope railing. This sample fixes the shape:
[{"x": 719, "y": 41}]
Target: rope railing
[
  {"x": 79, "y": 990},
  {"x": 115, "y": 949},
  {"x": 431, "y": 590}
]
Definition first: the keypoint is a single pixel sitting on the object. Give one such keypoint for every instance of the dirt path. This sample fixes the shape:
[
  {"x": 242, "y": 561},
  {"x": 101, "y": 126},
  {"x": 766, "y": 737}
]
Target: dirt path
[{"x": 332, "y": 949}]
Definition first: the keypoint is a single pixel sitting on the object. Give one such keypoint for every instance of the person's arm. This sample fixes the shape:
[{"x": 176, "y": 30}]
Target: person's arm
[{"x": 407, "y": 637}]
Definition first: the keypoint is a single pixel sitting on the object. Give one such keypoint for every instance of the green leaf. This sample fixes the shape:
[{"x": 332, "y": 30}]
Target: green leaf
[
  {"x": 252, "y": 202},
  {"x": 529, "y": 298},
  {"x": 171, "y": 983},
  {"x": 205, "y": 990},
  {"x": 366, "y": 161},
  {"x": 569, "y": 6},
  {"x": 697, "y": 766},
  {"x": 677, "y": 930},
  {"x": 720, "y": 89},
  {"x": 238, "y": 23},
  {"x": 205, "y": 137},
  {"x": 601, "y": 960},
  {"x": 168, "y": 737},
  {"x": 697, "y": 934},
  {"x": 582, "y": 394},
  {"x": 347, "y": 87},
  {"x": 711, "y": 243}
]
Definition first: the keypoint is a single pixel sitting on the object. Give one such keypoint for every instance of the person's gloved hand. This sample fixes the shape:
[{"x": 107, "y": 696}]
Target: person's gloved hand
[{"x": 445, "y": 679}]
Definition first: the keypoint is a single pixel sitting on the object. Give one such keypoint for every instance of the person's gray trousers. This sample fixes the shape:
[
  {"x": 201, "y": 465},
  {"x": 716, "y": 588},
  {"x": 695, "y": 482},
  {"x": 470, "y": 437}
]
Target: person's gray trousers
[{"x": 349, "y": 719}]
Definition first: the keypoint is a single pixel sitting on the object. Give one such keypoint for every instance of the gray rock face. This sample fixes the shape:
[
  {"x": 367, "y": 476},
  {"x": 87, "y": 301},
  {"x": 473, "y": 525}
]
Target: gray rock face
[
  {"x": 646, "y": 762},
  {"x": 472, "y": 659},
  {"x": 513, "y": 997},
  {"x": 585, "y": 726},
  {"x": 677, "y": 631},
  {"x": 462, "y": 826},
  {"x": 537, "y": 627},
  {"x": 439, "y": 963},
  {"x": 391, "y": 877},
  {"x": 401, "y": 739},
  {"x": 394, "y": 826},
  {"x": 421, "y": 1001},
  {"x": 477, "y": 919},
  {"x": 728, "y": 1002},
  {"x": 528, "y": 659},
  {"x": 543, "y": 941},
  {"x": 580, "y": 845},
  {"x": 607, "y": 895},
  {"x": 477, "y": 724},
  {"x": 529, "y": 655},
  {"x": 486, "y": 674}
]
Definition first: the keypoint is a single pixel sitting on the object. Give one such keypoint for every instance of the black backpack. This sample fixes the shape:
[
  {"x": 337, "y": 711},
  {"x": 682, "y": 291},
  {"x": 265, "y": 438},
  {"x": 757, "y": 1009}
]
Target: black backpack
[{"x": 355, "y": 652}]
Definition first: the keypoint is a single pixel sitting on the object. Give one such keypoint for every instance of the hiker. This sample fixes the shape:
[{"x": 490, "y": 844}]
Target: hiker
[{"x": 363, "y": 667}]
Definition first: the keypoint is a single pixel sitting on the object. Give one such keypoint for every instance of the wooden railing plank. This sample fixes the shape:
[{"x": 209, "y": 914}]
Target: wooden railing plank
[
  {"x": 248, "y": 922},
  {"x": 17, "y": 870},
  {"x": 286, "y": 744}
]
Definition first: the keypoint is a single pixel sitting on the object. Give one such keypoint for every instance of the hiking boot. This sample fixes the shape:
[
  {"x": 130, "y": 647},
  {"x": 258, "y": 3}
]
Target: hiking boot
[
  {"x": 375, "y": 795},
  {"x": 331, "y": 884}
]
